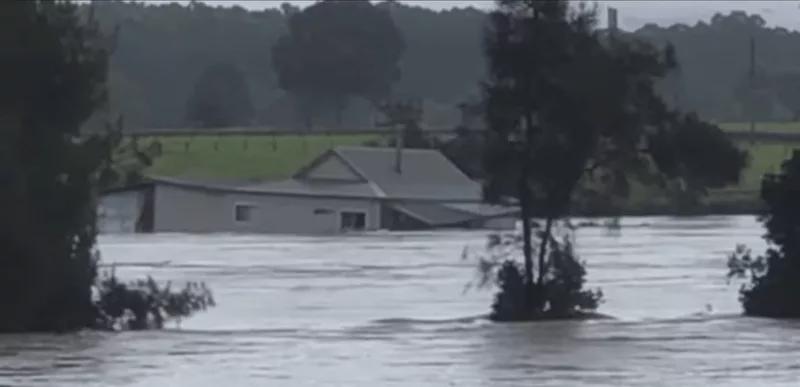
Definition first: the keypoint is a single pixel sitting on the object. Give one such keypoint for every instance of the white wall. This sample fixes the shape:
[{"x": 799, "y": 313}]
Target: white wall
[
  {"x": 118, "y": 212},
  {"x": 180, "y": 209}
]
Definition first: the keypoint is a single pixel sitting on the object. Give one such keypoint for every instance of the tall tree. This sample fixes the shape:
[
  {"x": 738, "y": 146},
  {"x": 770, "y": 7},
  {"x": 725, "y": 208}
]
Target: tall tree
[
  {"x": 220, "y": 98},
  {"x": 567, "y": 105},
  {"x": 773, "y": 287},
  {"x": 787, "y": 89},
  {"x": 53, "y": 72},
  {"x": 335, "y": 50}
]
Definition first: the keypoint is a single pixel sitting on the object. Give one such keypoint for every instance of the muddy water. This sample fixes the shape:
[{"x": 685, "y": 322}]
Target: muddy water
[{"x": 391, "y": 309}]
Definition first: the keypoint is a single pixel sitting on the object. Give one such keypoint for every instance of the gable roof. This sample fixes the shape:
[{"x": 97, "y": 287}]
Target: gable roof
[
  {"x": 323, "y": 160},
  {"x": 426, "y": 173}
]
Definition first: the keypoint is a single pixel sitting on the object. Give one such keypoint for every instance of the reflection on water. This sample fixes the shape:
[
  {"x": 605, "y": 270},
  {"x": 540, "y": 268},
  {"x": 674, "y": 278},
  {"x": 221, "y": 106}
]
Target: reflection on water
[{"x": 389, "y": 309}]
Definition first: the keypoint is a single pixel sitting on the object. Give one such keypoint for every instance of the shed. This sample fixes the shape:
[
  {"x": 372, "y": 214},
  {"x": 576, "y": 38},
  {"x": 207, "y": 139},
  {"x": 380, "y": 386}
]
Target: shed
[{"x": 344, "y": 189}]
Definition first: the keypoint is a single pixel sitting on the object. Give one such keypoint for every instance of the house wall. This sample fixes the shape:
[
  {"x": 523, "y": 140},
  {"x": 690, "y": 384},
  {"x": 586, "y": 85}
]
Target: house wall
[
  {"x": 179, "y": 209},
  {"x": 118, "y": 212}
]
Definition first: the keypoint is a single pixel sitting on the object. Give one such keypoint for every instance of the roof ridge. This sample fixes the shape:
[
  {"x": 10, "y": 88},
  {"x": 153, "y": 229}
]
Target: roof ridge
[{"x": 386, "y": 148}]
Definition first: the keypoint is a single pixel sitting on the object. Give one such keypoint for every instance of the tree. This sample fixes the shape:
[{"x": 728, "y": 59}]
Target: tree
[
  {"x": 787, "y": 89},
  {"x": 404, "y": 116},
  {"x": 220, "y": 98},
  {"x": 566, "y": 106},
  {"x": 773, "y": 287},
  {"x": 335, "y": 50},
  {"x": 53, "y": 73}
]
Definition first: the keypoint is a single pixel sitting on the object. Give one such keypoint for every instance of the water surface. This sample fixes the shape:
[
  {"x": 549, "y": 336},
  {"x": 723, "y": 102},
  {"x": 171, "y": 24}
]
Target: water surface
[{"x": 391, "y": 310}]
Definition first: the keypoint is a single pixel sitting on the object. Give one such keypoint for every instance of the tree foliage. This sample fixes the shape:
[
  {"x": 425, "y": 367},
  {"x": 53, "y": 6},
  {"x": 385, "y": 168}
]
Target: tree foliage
[
  {"x": 715, "y": 63},
  {"x": 787, "y": 90},
  {"x": 773, "y": 288},
  {"x": 53, "y": 74},
  {"x": 566, "y": 104},
  {"x": 327, "y": 57},
  {"x": 144, "y": 304},
  {"x": 562, "y": 296},
  {"x": 220, "y": 98}
]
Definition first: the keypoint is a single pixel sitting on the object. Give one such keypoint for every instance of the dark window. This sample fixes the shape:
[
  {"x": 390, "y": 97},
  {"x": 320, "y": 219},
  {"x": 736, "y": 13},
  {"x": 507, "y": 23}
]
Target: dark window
[
  {"x": 353, "y": 221},
  {"x": 244, "y": 212}
]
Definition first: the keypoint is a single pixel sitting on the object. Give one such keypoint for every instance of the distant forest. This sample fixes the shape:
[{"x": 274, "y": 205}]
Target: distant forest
[{"x": 165, "y": 54}]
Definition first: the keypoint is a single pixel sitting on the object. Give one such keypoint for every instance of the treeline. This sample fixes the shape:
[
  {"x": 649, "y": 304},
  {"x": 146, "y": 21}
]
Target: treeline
[
  {"x": 162, "y": 50},
  {"x": 165, "y": 53}
]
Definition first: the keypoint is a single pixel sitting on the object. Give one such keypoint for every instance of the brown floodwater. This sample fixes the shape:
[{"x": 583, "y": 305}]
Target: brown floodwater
[{"x": 391, "y": 309}]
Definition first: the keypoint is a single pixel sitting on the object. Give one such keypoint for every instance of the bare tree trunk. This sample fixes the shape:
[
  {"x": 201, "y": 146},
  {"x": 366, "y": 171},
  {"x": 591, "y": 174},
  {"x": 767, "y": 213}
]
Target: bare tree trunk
[
  {"x": 548, "y": 230},
  {"x": 527, "y": 248}
]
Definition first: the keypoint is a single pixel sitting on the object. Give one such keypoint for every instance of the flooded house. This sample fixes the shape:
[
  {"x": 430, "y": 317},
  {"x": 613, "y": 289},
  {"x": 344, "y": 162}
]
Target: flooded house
[{"x": 344, "y": 189}]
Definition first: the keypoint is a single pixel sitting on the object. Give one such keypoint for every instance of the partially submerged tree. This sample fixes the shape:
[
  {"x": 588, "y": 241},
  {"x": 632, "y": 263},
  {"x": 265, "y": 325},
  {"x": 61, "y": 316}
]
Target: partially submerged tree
[
  {"x": 773, "y": 289},
  {"x": 566, "y": 276},
  {"x": 335, "y": 50},
  {"x": 568, "y": 106},
  {"x": 53, "y": 72},
  {"x": 220, "y": 98},
  {"x": 53, "y": 75}
]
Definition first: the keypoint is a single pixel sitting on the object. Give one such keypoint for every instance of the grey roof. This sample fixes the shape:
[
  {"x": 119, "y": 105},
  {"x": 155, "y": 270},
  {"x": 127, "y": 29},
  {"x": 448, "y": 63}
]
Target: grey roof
[
  {"x": 281, "y": 188},
  {"x": 427, "y": 176},
  {"x": 425, "y": 173},
  {"x": 449, "y": 214},
  {"x": 483, "y": 210},
  {"x": 311, "y": 187},
  {"x": 433, "y": 214}
]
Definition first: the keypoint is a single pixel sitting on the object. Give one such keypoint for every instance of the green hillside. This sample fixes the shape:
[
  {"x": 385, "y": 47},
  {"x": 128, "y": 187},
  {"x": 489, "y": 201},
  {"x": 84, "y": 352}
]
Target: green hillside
[
  {"x": 244, "y": 157},
  {"x": 771, "y": 127}
]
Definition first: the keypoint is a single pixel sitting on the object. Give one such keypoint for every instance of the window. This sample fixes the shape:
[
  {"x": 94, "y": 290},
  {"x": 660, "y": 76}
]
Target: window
[
  {"x": 353, "y": 221},
  {"x": 243, "y": 212}
]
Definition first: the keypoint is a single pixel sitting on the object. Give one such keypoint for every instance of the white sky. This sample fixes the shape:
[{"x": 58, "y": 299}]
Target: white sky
[{"x": 632, "y": 13}]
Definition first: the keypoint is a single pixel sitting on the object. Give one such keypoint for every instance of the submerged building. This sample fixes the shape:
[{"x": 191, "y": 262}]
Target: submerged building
[{"x": 344, "y": 189}]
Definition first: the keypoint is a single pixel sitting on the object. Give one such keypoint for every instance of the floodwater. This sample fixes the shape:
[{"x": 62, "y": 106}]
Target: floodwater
[{"x": 391, "y": 310}]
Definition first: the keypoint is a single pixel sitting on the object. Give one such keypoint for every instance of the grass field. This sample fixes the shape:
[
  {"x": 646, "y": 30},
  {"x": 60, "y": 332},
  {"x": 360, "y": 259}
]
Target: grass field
[
  {"x": 764, "y": 158},
  {"x": 772, "y": 127},
  {"x": 264, "y": 157},
  {"x": 242, "y": 157}
]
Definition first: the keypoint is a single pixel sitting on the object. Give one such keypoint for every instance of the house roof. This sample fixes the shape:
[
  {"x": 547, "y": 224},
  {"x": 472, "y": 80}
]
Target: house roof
[
  {"x": 449, "y": 214},
  {"x": 425, "y": 173},
  {"x": 320, "y": 188},
  {"x": 426, "y": 176}
]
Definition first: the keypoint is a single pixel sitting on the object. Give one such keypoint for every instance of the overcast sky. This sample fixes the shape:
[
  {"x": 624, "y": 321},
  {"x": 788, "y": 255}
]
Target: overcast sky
[{"x": 632, "y": 14}]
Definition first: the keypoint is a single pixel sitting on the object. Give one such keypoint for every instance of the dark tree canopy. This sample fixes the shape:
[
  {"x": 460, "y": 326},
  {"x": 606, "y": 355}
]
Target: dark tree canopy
[
  {"x": 53, "y": 72},
  {"x": 335, "y": 50},
  {"x": 773, "y": 287},
  {"x": 787, "y": 90},
  {"x": 161, "y": 49},
  {"x": 220, "y": 98},
  {"x": 568, "y": 105}
]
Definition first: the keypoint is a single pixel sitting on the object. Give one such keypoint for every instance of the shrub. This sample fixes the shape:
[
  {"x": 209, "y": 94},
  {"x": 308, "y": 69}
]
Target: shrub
[
  {"x": 773, "y": 279},
  {"x": 560, "y": 296},
  {"x": 143, "y": 304}
]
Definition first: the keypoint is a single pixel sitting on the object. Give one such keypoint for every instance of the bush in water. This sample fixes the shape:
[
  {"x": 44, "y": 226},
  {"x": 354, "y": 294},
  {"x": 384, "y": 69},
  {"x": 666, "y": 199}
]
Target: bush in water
[
  {"x": 773, "y": 286},
  {"x": 143, "y": 304},
  {"x": 560, "y": 296}
]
